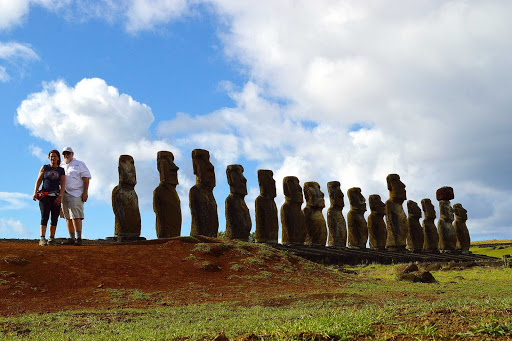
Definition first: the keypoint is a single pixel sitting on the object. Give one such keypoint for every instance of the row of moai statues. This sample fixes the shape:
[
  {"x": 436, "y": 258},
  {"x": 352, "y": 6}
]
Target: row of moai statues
[{"x": 388, "y": 227}]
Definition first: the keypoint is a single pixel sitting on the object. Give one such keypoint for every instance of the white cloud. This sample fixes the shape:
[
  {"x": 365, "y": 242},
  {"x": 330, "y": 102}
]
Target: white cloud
[
  {"x": 13, "y": 200},
  {"x": 15, "y": 55},
  {"x": 100, "y": 124},
  {"x": 12, "y": 12},
  {"x": 11, "y": 226},
  {"x": 146, "y": 14}
]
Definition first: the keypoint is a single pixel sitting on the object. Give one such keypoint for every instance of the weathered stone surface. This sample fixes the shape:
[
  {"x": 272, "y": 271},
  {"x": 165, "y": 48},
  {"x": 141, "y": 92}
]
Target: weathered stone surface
[
  {"x": 396, "y": 220},
  {"x": 430, "y": 235},
  {"x": 316, "y": 226},
  {"x": 415, "y": 237},
  {"x": 461, "y": 230},
  {"x": 376, "y": 225},
  {"x": 293, "y": 223},
  {"x": 166, "y": 202},
  {"x": 409, "y": 277},
  {"x": 444, "y": 193},
  {"x": 357, "y": 227},
  {"x": 426, "y": 277},
  {"x": 417, "y": 277},
  {"x": 406, "y": 268},
  {"x": 203, "y": 207},
  {"x": 433, "y": 267},
  {"x": 238, "y": 219},
  {"x": 447, "y": 237},
  {"x": 267, "y": 222},
  {"x": 125, "y": 202},
  {"x": 335, "y": 219}
]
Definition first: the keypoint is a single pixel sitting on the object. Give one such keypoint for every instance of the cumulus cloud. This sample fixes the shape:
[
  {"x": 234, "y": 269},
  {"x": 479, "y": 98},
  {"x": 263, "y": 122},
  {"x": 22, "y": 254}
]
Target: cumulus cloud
[
  {"x": 13, "y": 200},
  {"x": 352, "y": 91},
  {"x": 14, "y": 227},
  {"x": 100, "y": 124},
  {"x": 16, "y": 56}
]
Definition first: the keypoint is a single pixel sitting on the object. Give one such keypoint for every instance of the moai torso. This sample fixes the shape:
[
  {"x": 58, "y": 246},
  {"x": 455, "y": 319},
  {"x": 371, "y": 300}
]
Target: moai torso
[
  {"x": 125, "y": 202},
  {"x": 267, "y": 223},
  {"x": 447, "y": 237},
  {"x": 461, "y": 230},
  {"x": 238, "y": 220},
  {"x": 335, "y": 219},
  {"x": 357, "y": 227},
  {"x": 292, "y": 219},
  {"x": 415, "y": 238},
  {"x": 316, "y": 226},
  {"x": 203, "y": 207},
  {"x": 430, "y": 235},
  {"x": 396, "y": 220},
  {"x": 376, "y": 225},
  {"x": 166, "y": 202}
]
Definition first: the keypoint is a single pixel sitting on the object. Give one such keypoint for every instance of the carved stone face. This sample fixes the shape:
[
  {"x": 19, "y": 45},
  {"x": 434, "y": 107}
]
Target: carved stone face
[
  {"x": 428, "y": 209},
  {"x": 356, "y": 199},
  {"x": 267, "y": 183},
  {"x": 460, "y": 212},
  {"x": 166, "y": 167},
  {"x": 314, "y": 196},
  {"x": 413, "y": 209},
  {"x": 396, "y": 188},
  {"x": 376, "y": 204},
  {"x": 335, "y": 194},
  {"x": 236, "y": 179},
  {"x": 292, "y": 189},
  {"x": 446, "y": 210},
  {"x": 127, "y": 170},
  {"x": 203, "y": 168}
]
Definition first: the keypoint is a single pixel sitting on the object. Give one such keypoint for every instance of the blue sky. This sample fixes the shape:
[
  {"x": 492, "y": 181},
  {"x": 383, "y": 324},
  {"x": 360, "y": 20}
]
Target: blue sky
[{"x": 324, "y": 90}]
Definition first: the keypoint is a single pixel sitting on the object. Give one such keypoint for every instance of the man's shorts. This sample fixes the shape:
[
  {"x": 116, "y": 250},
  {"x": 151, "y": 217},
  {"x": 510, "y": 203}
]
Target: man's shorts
[{"x": 72, "y": 207}]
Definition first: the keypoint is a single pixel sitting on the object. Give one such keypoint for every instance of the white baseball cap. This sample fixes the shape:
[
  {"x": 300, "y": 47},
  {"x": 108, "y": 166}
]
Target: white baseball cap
[{"x": 67, "y": 149}]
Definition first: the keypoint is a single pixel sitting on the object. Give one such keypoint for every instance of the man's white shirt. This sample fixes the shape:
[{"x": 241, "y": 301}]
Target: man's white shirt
[{"x": 75, "y": 171}]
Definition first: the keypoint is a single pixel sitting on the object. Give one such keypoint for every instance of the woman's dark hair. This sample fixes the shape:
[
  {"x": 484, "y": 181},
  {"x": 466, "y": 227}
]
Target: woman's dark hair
[{"x": 54, "y": 151}]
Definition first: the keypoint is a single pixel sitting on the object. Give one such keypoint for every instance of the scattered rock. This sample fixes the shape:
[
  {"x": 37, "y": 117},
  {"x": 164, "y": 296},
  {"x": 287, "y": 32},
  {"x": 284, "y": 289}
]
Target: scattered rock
[
  {"x": 408, "y": 277},
  {"x": 420, "y": 276},
  {"x": 406, "y": 268},
  {"x": 433, "y": 267},
  {"x": 247, "y": 337},
  {"x": 15, "y": 260},
  {"x": 100, "y": 285},
  {"x": 426, "y": 277},
  {"x": 221, "y": 337}
]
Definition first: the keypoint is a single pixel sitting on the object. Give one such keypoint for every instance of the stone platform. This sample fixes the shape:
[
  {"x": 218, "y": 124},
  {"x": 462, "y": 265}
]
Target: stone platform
[{"x": 339, "y": 256}]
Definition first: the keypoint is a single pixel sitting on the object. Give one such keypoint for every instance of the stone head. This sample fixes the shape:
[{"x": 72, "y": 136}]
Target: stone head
[
  {"x": 429, "y": 210},
  {"x": 166, "y": 167},
  {"x": 460, "y": 212},
  {"x": 267, "y": 183},
  {"x": 413, "y": 209},
  {"x": 356, "y": 199},
  {"x": 236, "y": 179},
  {"x": 445, "y": 210},
  {"x": 203, "y": 168},
  {"x": 396, "y": 188},
  {"x": 292, "y": 190},
  {"x": 126, "y": 170},
  {"x": 313, "y": 195},
  {"x": 376, "y": 204},
  {"x": 335, "y": 194}
]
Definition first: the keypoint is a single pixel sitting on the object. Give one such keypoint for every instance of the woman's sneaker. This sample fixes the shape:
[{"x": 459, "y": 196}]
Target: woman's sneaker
[
  {"x": 43, "y": 242},
  {"x": 51, "y": 241}
]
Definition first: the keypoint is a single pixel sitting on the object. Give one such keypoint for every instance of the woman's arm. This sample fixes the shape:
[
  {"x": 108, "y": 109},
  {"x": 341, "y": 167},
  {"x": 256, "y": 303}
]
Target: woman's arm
[{"x": 38, "y": 182}]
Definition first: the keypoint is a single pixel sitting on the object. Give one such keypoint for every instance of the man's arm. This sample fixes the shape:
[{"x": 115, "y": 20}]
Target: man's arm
[{"x": 85, "y": 194}]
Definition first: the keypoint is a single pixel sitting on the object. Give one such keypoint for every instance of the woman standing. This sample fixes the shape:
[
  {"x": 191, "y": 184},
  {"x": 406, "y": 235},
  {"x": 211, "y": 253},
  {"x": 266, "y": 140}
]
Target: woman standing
[{"x": 53, "y": 179}]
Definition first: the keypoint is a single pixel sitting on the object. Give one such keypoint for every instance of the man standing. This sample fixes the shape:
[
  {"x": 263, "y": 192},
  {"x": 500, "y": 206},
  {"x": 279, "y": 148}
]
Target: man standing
[{"x": 75, "y": 195}]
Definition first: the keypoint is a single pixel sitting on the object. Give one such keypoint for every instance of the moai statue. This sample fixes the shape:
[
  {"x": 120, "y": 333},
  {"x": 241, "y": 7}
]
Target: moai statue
[
  {"x": 267, "y": 223},
  {"x": 238, "y": 220},
  {"x": 396, "y": 220},
  {"x": 335, "y": 219},
  {"x": 292, "y": 219},
  {"x": 415, "y": 238},
  {"x": 203, "y": 207},
  {"x": 447, "y": 236},
  {"x": 430, "y": 235},
  {"x": 461, "y": 230},
  {"x": 166, "y": 202},
  {"x": 376, "y": 225},
  {"x": 357, "y": 227},
  {"x": 316, "y": 226},
  {"x": 125, "y": 202}
]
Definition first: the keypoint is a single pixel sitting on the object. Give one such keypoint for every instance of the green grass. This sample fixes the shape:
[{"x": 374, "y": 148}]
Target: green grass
[{"x": 493, "y": 251}]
